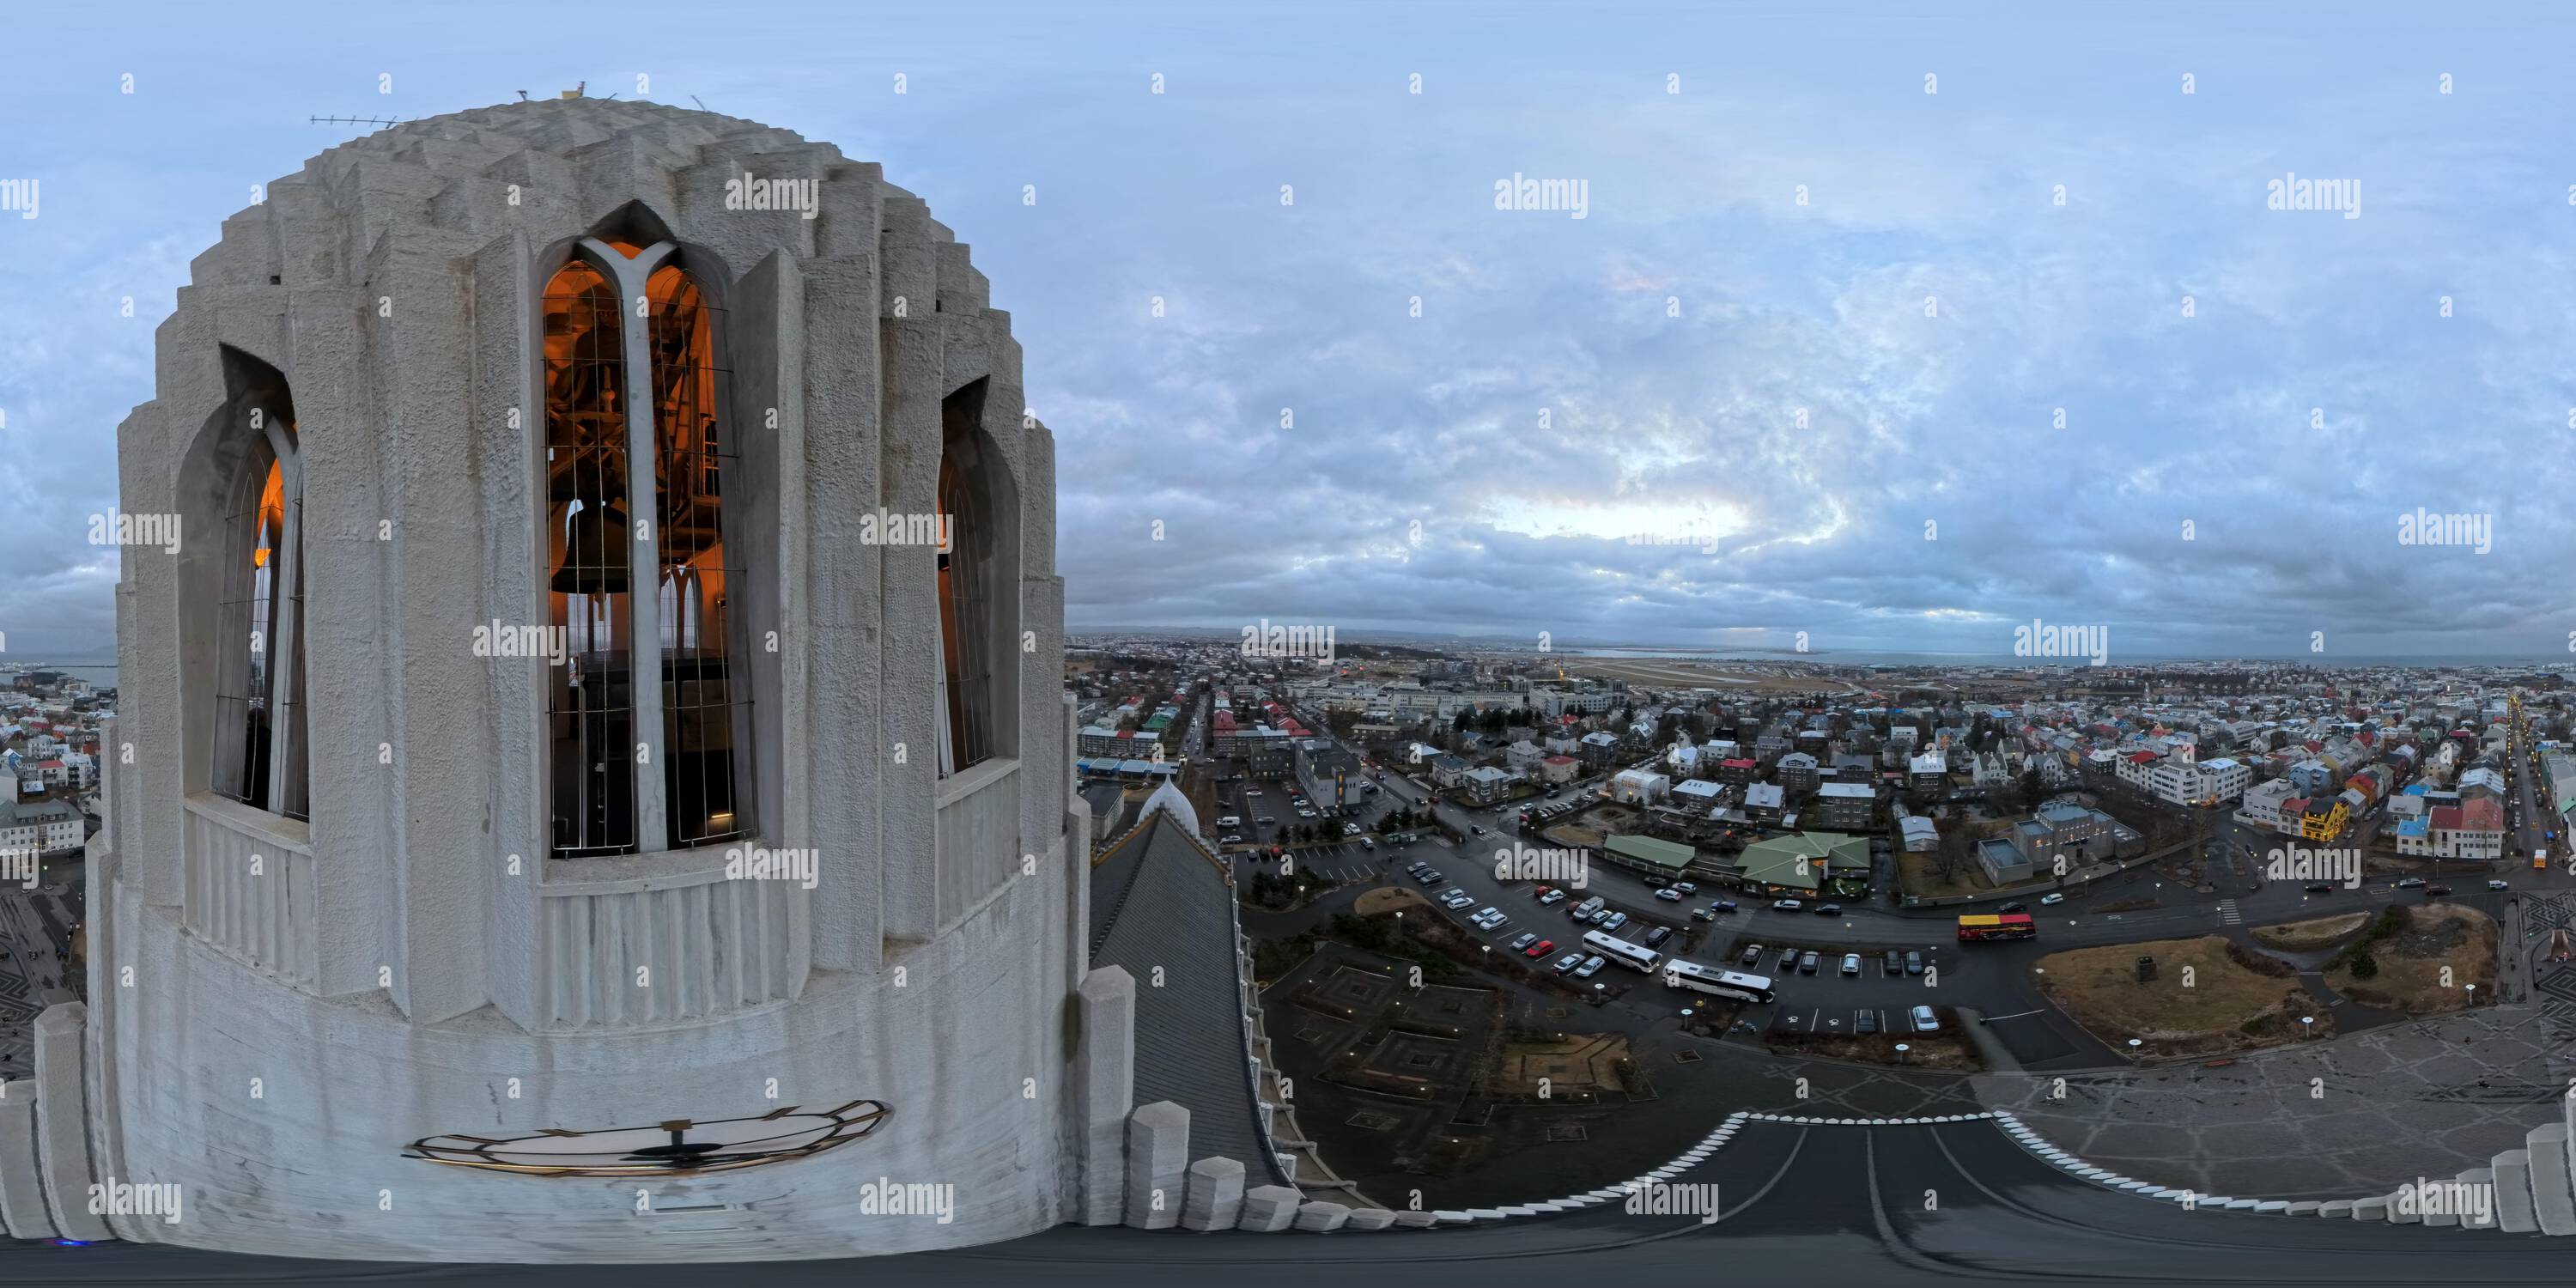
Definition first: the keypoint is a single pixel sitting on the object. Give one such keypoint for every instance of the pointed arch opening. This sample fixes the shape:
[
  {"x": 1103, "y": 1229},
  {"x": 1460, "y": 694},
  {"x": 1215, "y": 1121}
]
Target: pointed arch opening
[
  {"x": 648, "y": 720},
  {"x": 258, "y": 757}
]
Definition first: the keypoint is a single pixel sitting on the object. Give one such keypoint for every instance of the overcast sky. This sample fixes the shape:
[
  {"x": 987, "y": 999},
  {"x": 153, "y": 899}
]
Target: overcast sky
[{"x": 1314, "y": 451}]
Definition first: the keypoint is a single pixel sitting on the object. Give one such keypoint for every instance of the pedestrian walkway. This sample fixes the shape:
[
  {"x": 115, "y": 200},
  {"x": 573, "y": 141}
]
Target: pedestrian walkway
[{"x": 2227, "y": 912}]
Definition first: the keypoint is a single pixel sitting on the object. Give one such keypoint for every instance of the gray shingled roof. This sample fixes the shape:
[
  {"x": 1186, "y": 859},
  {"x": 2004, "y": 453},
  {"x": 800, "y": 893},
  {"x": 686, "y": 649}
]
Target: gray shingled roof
[{"x": 1159, "y": 900}]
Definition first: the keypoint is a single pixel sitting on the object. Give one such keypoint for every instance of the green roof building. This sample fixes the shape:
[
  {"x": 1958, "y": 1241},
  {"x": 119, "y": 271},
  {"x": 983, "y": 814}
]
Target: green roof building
[
  {"x": 1649, "y": 853},
  {"x": 1804, "y": 860}
]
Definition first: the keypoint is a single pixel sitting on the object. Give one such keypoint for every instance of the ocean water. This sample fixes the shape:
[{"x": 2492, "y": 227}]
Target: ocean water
[{"x": 100, "y": 674}]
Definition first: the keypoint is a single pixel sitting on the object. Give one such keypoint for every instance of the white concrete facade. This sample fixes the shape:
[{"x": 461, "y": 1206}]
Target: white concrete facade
[{"x": 281, "y": 1007}]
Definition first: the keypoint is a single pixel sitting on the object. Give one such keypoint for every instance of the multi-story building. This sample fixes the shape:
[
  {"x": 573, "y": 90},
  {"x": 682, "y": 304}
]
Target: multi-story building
[
  {"x": 1639, "y": 786},
  {"x": 2262, "y": 806},
  {"x": 1845, "y": 807},
  {"x": 1798, "y": 772},
  {"x": 40, "y": 826},
  {"x": 1599, "y": 750}
]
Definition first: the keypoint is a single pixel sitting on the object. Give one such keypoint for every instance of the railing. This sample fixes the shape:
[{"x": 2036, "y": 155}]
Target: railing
[
  {"x": 250, "y": 887},
  {"x": 979, "y": 836},
  {"x": 659, "y": 949}
]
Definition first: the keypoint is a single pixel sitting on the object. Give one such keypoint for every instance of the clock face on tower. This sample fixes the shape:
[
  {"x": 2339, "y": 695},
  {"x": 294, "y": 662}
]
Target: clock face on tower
[{"x": 679, "y": 1147}]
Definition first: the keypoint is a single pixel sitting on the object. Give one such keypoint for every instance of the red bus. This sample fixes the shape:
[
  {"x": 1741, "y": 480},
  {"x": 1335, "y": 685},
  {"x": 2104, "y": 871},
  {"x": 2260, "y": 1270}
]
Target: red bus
[{"x": 2009, "y": 925}]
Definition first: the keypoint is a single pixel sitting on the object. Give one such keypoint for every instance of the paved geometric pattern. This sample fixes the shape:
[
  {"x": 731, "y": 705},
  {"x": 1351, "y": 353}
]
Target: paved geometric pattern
[{"x": 2340, "y": 1119}]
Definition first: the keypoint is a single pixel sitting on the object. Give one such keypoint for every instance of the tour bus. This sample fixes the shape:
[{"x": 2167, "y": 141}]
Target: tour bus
[
  {"x": 1583, "y": 911},
  {"x": 1633, "y": 956},
  {"x": 1723, "y": 983},
  {"x": 2008, "y": 925}
]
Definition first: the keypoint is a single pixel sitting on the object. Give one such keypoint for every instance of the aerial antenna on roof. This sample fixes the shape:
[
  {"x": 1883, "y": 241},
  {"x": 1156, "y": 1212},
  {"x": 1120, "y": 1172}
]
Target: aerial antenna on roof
[{"x": 353, "y": 120}]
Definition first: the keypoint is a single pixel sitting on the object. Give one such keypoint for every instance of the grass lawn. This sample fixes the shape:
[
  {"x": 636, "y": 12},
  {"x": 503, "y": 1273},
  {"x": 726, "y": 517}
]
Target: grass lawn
[
  {"x": 1915, "y": 877},
  {"x": 1388, "y": 899},
  {"x": 2310, "y": 935},
  {"x": 2426, "y": 962},
  {"x": 2205, "y": 997}
]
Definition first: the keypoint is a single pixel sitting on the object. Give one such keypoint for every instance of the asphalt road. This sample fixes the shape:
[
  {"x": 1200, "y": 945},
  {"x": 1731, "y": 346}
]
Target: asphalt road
[{"x": 1947, "y": 1203}]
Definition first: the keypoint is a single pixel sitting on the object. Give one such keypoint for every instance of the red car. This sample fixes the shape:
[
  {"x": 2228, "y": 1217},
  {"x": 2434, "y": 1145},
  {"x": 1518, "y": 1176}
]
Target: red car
[
  {"x": 1540, "y": 949},
  {"x": 1541, "y": 892}
]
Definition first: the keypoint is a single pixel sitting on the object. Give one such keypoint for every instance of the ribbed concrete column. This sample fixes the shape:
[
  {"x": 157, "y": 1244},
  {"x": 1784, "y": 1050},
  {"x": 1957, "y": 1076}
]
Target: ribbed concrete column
[
  {"x": 62, "y": 1129},
  {"x": 1158, "y": 1159},
  {"x": 1216, "y": 1195},
  {"x": 2553, "y": 1192},
  {"x": 2512, "y": 1170},
  {"x": 1269, "y": 1208},
  {"x": 1105, "y": 1089},
  {"x": 22, "y": 1196}
]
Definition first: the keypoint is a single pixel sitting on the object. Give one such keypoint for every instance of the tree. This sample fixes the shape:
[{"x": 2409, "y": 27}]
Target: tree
[{"x": 1465, "y": 716}]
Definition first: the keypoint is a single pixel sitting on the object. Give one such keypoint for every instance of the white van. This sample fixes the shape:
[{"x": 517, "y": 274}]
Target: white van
[
  {"x": 1230, "y": 822},
  {"x": 1583, "y": 911}
]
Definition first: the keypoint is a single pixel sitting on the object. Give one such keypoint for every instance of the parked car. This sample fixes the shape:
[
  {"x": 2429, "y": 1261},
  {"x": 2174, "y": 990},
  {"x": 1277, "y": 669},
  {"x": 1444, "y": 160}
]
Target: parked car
[
  {"x": 1913, "y": 963},
  {"x": 2409, "y": 883},
  {"x": 1788, "y": 960},
  {"x": 1552, "y": 897},
  {"x": 1786, "y": 905},
  {"x": 1686, "y": 887},
  {"x": 1865, "y": 1020},
  {"x": 1457, "y": 899},
  {"x": 1234, "y": 838},
  {"x": 1568, "y": 962},
  {"x": 1808, "y": 961},
  {"x": 1524, "y": 941},
  {"x": 1924, "y": 1021},
  {"x": 1540, "y": 949},
  {"x": 2051, "y": 900},
  {"x": 1591, "y": 966},
  {"x": 1851, "y": 963},
  {"x": 1829, "y": 910},
  {"x": 1655, "y": 882},
  {"x": 1368, "y": 843},
  {"x": 1669, "y": 895},
  {"x": 1655, "y": 938},
  {"x": 1892, "y": 964},
  {"x": 1752, "y": 955},
  {"x": 1614, "y": 921}
]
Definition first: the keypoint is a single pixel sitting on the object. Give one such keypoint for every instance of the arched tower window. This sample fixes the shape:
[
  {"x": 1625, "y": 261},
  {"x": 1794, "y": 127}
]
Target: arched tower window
[
  {"x": 632, "y": 374},
  {"x": 259, "y": 753},
  {"x": 975, "y": 538}
]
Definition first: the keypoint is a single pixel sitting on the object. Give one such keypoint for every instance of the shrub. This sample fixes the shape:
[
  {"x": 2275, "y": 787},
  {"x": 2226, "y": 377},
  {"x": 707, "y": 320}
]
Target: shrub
[{"x": 2364, "y": 966}]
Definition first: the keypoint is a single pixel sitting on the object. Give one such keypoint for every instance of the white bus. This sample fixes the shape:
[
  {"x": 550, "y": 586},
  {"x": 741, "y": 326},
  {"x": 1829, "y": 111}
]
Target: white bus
[
  {"x": 1635, "y": 957},
  {"x": 1723, "y": 983}
]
